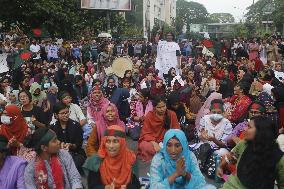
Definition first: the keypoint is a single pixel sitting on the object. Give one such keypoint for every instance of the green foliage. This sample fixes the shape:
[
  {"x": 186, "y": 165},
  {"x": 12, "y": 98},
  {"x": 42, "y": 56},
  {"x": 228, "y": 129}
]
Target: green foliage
[
  {"x": 278, "y": 14},
  {"x": 162, "y": 28},
  {"x": 221, "y": 18},
  {"x": 190, "y": 13},
  {"x": 259, "y": 12},
  {"x": 194, "y": 35},
  {"x": 135, "y": 17},
  {"x": 256, "y": 12},
  {"x": 62, "y": 18}
]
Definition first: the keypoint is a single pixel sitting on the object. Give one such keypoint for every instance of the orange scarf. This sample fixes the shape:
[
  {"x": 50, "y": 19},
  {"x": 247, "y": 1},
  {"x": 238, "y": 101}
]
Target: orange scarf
[{"x": 118, "y": 169}]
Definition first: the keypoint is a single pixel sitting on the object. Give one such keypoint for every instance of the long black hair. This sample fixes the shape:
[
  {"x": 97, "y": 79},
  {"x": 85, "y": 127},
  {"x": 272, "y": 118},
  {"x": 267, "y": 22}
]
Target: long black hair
[
  {"x": 257, "y": 166},
  {"x": 156, "y": 100}
]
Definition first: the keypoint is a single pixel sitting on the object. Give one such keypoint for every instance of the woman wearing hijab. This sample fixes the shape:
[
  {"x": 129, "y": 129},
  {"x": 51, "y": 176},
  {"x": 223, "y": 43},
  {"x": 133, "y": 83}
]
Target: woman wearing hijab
[
  {"x": 258, "y": 159},
  {"x": 155, "y": 125},
  {"x": 175, "y": 167},
  {"x": 205, "y": 109},
  {"x": 109, "y": 117},
  {"x": 39, "y": 97},
  {"x": 14, "y": 127},
  {"x": 158, "y": 88},
  {"x": 12, "y": 168},
  {"x": 104, "y": 170},
  {"x": 52, "y": 167},
  {"x": 52, "y": 96},
  {"x": 97, "y": 102}
]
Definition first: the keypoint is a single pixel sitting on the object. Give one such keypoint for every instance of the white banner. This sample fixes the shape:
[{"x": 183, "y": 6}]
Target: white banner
[
  {"x": 3, "y": 63},
  {"x": 121, "y": 5}
]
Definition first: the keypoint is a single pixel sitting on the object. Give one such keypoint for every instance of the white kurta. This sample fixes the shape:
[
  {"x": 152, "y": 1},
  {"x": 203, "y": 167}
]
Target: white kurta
[{"x": 166, "y": 57}]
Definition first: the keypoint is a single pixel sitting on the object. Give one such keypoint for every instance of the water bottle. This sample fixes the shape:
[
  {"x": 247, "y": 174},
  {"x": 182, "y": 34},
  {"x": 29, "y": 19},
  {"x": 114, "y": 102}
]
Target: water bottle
[{"x": 217, "y": 163}]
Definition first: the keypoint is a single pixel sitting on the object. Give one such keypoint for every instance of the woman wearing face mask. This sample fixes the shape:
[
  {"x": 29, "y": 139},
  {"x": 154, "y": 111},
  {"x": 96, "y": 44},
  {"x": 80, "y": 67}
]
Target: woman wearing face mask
[
  {"x": 155, "y": 125},
  {"x": 109, "y": 117},
  {"x": 175, "y": 167},
  {"x": 112, "y": 167},
  {"x": 15, "y": 130},
  {"x": 213, "y": 130},
  {"x": 52, "y": 167},
  {"x": 205, "y": 109},
  {"x": 13, "y": 127},
  {"x": 11, "y": 168},
  {"x": 258, "y": 159}
]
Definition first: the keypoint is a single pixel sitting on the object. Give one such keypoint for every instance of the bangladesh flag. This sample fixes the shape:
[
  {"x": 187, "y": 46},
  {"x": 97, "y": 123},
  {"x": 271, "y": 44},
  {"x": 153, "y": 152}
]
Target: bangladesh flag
[
  {"x": 40, "y": 33},
  {"x": 25, "y": 55},
  {"x": 18, "y": 58}
]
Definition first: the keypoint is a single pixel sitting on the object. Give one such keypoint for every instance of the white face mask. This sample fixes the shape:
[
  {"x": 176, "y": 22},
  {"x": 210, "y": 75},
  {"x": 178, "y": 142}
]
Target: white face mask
[
  {"x": 6, "y": 119},
  {"x": 216, "y": 117}
]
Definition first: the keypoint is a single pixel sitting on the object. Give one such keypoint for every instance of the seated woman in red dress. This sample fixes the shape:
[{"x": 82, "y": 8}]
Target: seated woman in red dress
[
  {"x": 239, "y": 103},
  {"x": 155, "y": 125}
]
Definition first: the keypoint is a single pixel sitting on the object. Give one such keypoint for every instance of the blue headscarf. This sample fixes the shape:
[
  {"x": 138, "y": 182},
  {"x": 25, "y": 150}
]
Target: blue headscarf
[
  {"x": 171, "y": 164},
  {"x": 197, "y": 180}
]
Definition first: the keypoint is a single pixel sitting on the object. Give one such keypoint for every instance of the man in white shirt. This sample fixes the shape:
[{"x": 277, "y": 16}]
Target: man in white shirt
[
  {"x": 52, "y": 52},
  {"x": 35, "y": 49}
]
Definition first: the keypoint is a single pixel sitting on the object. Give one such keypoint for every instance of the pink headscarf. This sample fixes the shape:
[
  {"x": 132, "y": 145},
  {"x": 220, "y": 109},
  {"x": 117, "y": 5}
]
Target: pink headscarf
[
  {"x": 102, "y": 124},
  {"x": 94, "y": 108},
  {"x": 204, "y": 110}
]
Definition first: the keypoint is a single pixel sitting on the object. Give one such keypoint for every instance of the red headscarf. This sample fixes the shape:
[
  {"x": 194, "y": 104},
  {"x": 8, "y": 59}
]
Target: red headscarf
[
  {"x": 118, "y": 169},
  {"x": 18, "y": 128},
  {"x": 153, "y": 128}
]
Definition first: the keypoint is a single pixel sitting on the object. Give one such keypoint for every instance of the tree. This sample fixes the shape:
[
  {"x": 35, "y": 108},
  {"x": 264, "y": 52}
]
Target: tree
[
  {"x": 257, "y": 12},
  {"x": 135, "y": 17},
  {"x": 278, "y": 14},
  {"x": 190, "y": 13},
  {"x": 221, "y": 18},
  {"x": 63, "y": 18}
]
